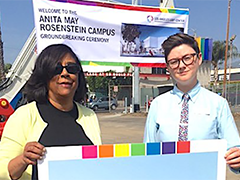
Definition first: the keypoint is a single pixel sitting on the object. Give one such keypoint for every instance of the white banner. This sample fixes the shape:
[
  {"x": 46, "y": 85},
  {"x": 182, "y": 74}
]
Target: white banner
[{"x": 107, "y": 32}]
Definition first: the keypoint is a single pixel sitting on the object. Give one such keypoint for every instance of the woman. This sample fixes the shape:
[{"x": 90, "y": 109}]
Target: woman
[{"x": 53, "y": 116}]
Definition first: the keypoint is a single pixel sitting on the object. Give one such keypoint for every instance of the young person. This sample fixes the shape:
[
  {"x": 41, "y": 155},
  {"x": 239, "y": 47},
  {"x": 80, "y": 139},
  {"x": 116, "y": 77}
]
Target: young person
[{"x": 189, "y": 111}]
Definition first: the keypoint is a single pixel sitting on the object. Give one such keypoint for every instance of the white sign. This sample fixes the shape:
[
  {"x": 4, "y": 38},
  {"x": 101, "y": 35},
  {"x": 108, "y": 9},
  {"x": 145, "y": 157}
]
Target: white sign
[
  {"x": 107, "y": 32},
  {"x": 192, "y": 160},
  {"x": 115, "y": 88}
]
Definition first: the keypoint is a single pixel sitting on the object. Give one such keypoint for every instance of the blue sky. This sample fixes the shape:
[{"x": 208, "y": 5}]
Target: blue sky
[{"x": 208, "y": 18}]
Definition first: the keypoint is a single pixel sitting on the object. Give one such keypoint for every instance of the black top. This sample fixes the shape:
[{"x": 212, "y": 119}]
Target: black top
[{"x": 62, "y": 129}]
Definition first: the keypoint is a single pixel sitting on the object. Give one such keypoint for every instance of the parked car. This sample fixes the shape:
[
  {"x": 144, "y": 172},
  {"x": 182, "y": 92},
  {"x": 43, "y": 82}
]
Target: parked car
[{"x": 103, "y": 103}]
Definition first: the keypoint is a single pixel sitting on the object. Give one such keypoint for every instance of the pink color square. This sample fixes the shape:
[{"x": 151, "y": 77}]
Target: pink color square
[
  {"x": 183, "y": 147},
  {"x": 89, "y": 152}
]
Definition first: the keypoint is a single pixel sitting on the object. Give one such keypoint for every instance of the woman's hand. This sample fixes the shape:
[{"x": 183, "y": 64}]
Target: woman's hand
[
  {"x": 31, "y": 153},
  {"x": 233, "y": 157}
]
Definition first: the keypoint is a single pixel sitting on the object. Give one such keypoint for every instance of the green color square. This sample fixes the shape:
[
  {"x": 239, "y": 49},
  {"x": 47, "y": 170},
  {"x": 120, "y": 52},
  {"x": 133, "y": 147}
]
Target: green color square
[{"x": 138, "y": 149}]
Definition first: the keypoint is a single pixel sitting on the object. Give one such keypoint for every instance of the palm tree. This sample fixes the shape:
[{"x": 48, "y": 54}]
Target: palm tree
[
  {"x": 2, "y": 74},
  {"x": 218, "y": 55}
]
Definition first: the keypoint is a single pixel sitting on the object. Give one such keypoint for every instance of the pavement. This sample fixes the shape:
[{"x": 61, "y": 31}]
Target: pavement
[
  {"x": 120, "y": 128},
  {"x": 117, "y": 127}
]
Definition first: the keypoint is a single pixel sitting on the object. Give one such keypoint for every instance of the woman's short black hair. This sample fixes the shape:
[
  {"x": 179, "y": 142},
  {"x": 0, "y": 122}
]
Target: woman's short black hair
[
  {"x": 177, "y": 40},
  {"x": 36, "y": 88}
]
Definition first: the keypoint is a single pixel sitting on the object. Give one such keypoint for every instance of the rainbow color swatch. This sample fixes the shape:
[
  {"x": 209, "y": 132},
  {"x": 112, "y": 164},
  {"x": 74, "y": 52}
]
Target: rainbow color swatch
[
  {"x": 206, "y": 47},
  {"x": 138, "y": 149}
]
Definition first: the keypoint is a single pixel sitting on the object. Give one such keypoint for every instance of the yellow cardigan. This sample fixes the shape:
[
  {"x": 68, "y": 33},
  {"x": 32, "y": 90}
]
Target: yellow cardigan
[{"x": 26, "y": 125}]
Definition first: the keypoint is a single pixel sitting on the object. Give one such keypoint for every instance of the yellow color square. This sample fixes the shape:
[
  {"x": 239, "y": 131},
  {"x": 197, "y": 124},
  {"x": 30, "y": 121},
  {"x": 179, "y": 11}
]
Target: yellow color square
[{"x": 122, "y": 150}]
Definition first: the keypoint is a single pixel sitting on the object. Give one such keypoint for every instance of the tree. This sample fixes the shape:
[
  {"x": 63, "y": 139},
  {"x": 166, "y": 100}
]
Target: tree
[
  {"x": 97, "y": 83},
  {"x": 2, "y": 74},
  {"x": 130, "y": 32},
  {"x": 7, "y": 67},
  {"x": 218, "y": 56}
]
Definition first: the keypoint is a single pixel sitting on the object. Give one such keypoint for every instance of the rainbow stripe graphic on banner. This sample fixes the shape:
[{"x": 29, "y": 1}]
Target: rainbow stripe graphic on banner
[
  {"x": 98, "y": 63},
  {"x": 205, "y": 45},
  {"x": 136, "y": 149},
  {"x": 125, "y": 7}
]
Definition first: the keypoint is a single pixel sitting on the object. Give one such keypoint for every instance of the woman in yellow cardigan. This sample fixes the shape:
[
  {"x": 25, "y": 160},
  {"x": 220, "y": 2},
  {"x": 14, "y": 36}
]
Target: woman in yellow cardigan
[{"x": 53, "y": 116}]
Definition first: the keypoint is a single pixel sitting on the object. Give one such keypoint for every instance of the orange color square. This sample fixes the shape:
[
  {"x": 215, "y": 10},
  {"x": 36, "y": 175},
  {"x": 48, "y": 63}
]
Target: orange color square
[{"x": 105, "y": 151}]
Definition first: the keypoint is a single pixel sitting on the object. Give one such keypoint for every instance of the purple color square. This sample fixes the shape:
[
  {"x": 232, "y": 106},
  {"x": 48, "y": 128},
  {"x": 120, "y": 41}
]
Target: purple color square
[{"x": 168, "y": 147}]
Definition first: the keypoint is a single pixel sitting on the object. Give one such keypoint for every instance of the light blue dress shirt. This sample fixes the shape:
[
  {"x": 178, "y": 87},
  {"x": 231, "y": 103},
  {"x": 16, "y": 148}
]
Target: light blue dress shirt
[{"x": 209, "y": 117}]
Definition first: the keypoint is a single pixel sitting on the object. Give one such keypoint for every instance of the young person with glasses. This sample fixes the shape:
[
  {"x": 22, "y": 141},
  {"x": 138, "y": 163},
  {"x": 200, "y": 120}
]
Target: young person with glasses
[
  {"x": 52, "y": 117},
  {"x": 189, "y": 111}
]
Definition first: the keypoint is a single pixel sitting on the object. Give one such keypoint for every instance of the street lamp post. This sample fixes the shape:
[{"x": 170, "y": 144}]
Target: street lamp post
[
  {"x": 231, "y": 49},
  {"x": 230, "y": 63}
]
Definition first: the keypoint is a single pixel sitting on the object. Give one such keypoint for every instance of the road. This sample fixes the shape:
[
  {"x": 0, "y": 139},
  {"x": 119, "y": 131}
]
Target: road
[
  {"x": 120, "y": 128},
  {"x": 117, "y": 127}
]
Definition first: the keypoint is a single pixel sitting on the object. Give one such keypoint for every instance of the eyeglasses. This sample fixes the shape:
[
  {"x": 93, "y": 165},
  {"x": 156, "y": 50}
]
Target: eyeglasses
[
  {"x": 187, "y": 60},
  {"x": 71, "y": 68}
]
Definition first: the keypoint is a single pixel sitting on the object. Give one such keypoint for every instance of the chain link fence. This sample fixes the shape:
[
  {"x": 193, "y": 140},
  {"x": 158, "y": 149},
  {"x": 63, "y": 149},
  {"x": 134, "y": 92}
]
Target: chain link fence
[
  {"x": 124, "y": 92},
  {"x": 232, "y": 93}
]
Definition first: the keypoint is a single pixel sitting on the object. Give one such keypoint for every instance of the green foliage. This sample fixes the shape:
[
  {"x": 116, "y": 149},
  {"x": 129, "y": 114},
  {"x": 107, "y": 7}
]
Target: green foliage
[
  {"x": 219, "y": 52},
  {"x": 97, "y": 83},
  {"x": 130, "y": 32},
  {"x": 7, "y": 67}
]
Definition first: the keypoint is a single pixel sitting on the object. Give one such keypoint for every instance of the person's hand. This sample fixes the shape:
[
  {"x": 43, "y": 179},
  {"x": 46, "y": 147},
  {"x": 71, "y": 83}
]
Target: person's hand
[
  {"x": 32, "y": 152},
  {"x": 233, "y": 157}
]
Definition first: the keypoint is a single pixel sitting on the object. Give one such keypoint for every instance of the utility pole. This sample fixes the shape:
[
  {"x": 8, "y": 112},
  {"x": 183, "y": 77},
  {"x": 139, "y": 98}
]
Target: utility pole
[
  {"x": 226, "y": 50},
  {"x": 2, "y": 74}
]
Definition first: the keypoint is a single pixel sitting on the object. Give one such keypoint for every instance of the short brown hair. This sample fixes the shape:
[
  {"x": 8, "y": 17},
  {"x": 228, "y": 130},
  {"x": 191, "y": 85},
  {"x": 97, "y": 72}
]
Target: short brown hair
[{"x": 177, "y": 40}]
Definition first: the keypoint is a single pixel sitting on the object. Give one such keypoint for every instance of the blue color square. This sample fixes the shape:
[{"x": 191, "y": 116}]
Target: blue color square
[
  {"x": 153, "y": 148},
  {"x": 168, "y": 147}
]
